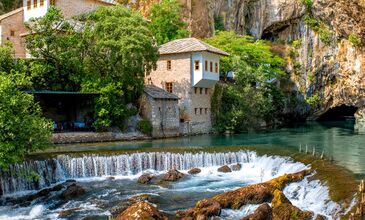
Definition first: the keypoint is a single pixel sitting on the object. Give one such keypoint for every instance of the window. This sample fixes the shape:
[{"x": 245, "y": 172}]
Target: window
[
  {"x": 169, "y": 65},
  {"x": 197, "y": 65},
  {"x": 216, "y": 67},
  {"x": 35, "y": 3},
  {"x": 211, "y": 66},
  {"x": 41, "y": 3},
  {"x": 201, "y": 111},
  {"x": 206, "y": 65},
  {"x": 52, "y": 2},
  {"x": 206, "y": 90},
  {"x": 196, "y": 111},
  {"x": 195, "y": 90},
  {"x": 169, "y": 87},
  {"x": 12, "y": 33},
  {"x": 206, "y": 111},
  {"x": 29, "y": 4},
  {"x": 201, "y": 90}
]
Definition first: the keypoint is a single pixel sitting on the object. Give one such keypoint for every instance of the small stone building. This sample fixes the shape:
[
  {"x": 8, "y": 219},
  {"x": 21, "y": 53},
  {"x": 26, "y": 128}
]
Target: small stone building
[
  {"x": 161, "y": 108},
  {"x": 189, "y": 68}
]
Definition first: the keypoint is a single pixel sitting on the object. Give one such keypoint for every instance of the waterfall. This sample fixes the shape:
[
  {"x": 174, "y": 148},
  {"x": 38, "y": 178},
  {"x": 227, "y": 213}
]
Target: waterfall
[{"x": 34, "y": 175}]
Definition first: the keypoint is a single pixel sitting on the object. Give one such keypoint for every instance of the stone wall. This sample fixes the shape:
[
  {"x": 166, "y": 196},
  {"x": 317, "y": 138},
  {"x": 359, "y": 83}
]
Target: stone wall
[
  {"x": 14, "y": 23},
  {"x": 164, "y": 116},
  {"x": 95, "y": 137}
]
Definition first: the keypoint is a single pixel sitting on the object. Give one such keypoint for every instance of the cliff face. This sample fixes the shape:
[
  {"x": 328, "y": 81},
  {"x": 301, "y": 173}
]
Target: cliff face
[{"x": 324, "y": 63}]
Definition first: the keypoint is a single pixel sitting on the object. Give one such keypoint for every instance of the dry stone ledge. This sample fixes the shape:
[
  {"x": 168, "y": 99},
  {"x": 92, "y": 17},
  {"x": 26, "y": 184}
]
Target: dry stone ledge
[{"x": 253, "y": 194}]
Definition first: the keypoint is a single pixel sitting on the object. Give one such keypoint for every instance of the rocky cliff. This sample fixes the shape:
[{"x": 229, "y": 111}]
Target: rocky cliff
[{"x": 327, "y": 58}]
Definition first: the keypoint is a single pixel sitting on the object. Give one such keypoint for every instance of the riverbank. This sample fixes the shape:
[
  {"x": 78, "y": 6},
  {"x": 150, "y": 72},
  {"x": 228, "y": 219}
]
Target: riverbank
[{"x": 96, "y": 137}]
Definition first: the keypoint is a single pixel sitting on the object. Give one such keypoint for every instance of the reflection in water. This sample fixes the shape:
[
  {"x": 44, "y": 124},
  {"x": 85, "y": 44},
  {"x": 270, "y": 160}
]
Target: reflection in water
[{"x": 337, "y": 139}]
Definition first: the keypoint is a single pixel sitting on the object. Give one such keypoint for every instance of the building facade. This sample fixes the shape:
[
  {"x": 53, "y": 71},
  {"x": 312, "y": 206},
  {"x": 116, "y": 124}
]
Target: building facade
[
  {"x": 161, "y": 108},
  {"x": 13, "y": 30},
  {"x": 189, "y": 68}
]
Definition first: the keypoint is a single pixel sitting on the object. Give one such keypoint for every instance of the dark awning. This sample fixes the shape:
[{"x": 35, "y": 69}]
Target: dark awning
[{"x": 48, "y": 92}]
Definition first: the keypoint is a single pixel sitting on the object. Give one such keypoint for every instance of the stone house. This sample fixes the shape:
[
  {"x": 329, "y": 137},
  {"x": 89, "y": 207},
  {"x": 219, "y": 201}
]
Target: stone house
[
  {"x": 12, "y": 28},
  {"x": 161, "y": 108},
  {"x": 189, "y": 68}
]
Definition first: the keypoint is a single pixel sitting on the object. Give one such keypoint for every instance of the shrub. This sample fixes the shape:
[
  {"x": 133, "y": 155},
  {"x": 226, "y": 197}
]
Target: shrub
[
  {"x": 325, "y": 35},
  {"x": 145, "y": 126},
  {"x": 313, "y": 101},
  {"x": 312, "y": 23},
  {"x": 355, "y": 40},
  {"x": 308, "y": 4},
  {"x": 297, "y": 44}
]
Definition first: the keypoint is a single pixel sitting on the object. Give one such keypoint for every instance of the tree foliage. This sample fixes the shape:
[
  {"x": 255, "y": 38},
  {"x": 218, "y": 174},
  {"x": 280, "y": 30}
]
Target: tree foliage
[
  {"x": 252, "y": 99},
  {"x": 22, "y": 128},
  {"x": 166, "y": 21},
  {"x": 107, "y": 51}
]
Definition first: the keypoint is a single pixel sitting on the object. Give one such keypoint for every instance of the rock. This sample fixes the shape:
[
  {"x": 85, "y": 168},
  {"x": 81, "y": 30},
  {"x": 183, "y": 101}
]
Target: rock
[
  {"x": 110, "y": 178},
  {"x": 253, "y": 194},
  {"x": 204, "y": 208},
  {"x": 141, "y": 211},
  {"x": 282, "y": 208},
  {"x": 140, "y": 198},
  {"x": 70, "y": 181},
  {"x": 263, "y": 212},
  {"x": 145, "y": 178},
  {"x": 224, "y": 169},
  {"x": 236, "y": 167},
  {"x": 67, "y": 212},
  {"x": 172, "y": 175},
  {"x": 194, "y": 171},
  {"x": 320, "y": 217},
  {"x": 72, "y": 191}
]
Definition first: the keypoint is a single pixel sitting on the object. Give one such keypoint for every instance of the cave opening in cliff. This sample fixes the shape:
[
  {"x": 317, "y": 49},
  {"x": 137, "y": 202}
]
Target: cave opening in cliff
[{"x": 339, "y": 113}]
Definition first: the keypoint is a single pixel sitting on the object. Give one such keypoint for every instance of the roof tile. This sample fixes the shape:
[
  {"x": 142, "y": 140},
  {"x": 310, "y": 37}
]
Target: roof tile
[{"x": 188, "y": 45}]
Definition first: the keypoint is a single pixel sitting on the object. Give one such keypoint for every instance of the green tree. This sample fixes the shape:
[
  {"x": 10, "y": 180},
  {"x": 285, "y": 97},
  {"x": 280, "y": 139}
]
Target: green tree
[
  {"x": 55, "y": 44},
  {"x": 166, "y": 21},
  {"x": 22, "y": 128},
  {"x": 107, "y": 51},
  {"x": 252, "y": 99},
  {"x": 120, "y": 49}
]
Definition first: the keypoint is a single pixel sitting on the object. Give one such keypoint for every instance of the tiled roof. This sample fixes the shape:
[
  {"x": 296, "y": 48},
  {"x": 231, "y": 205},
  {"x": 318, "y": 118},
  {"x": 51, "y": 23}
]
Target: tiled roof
[
  {"x": 188, "y": 45},
  {"x": 109, "y": 1},
  {"x": 11, "y": 13},
  {"x": 158, "y": 93}
]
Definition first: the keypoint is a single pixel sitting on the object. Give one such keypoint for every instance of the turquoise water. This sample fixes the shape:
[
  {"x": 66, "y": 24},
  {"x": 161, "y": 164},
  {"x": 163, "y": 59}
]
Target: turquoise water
[{"x": 338, "y": 140}]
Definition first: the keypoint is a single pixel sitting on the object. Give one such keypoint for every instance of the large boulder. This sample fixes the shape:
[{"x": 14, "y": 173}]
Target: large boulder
[
  {"x": 73, "y": 191},
  {"x": 224, "y": 169},
  {"x": 263, "y": 212},
  {"x": 194, "y": 171},
  {"x": 236, "y": 167},
  {"x": 204, "y": 208},
  {"x": 141, "y": 211},
  {"x": 145, "y": 178},
  {"x": 172, "y": 175}
]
